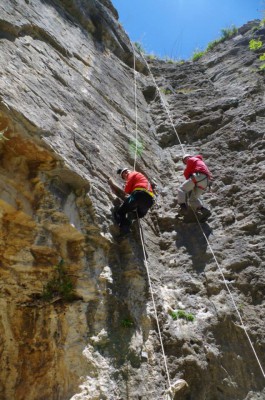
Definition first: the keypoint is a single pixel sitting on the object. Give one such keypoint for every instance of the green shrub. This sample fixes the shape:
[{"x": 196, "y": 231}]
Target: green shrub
[
  {"x": 262, "y": 67},
  {"x": 127, "y": 323},
  {"x": 255, "y": 44},
  {"x": 262, "y": 23},
  {"x": 262, "y": 57},
  {"x": 151, "y": 56},
  {"x": 169, "y": 60},
  {"x": 211, "y": 45},
  {"x": 61, "y": 285},
  {"x": 165, "y": 91},
  {"x": 228, "y": 32},
  {"x": 137, "y": 146},
  {"x": 254, "y": 29},
  {"x": 174, "y": 61},
  {"x": 185, "y": 90},
  {"x": 197, "y": 55},
  {"x": 139, "y": 47},
  {"x": 181, "y": 314}
]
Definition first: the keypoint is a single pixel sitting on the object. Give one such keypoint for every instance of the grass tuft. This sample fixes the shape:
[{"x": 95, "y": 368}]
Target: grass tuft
[
  {"x": 197, "y": 55},
  {"x": 127, "y": 323},
  {"x": 181, "y": 314},
  {"x": 59, "y": 286}
]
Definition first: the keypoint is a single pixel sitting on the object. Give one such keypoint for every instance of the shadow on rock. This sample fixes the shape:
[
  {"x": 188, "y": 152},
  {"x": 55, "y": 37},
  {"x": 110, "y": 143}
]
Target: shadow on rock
[
  {"x": 191, "y": 237},
  {"x": 125, "y": 303}
]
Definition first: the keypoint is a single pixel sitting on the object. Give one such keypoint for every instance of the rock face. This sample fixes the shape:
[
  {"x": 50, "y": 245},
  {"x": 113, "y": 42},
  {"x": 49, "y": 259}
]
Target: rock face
[{"x": 77, "y": 320}]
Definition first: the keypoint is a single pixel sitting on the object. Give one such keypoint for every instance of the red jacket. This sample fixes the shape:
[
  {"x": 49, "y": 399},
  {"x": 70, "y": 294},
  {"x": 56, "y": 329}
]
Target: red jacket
[
  {"x": 196, "y": 164},
  {"x": 136, "y": 180}
]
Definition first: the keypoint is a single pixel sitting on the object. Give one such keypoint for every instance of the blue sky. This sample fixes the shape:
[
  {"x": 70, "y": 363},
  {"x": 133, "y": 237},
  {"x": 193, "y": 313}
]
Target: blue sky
[{"x": 175, "y": 28}]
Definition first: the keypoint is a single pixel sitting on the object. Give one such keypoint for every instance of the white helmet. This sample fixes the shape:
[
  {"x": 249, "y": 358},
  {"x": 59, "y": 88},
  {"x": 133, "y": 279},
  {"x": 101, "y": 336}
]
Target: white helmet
[
  {"x": 121, "y": 170},
  {"x": 186, "y": 156}
]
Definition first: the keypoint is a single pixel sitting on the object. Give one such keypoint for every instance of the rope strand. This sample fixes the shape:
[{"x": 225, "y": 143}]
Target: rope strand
[
  {"x": 153, "y": 299},
  {"x": 207, "y": 241},
  {"x": 141, "y": 231},
  {"x": 210, "y": 247},
  {"x": 231, "y": 296},
  {"x": 165, "y": 105},
  {"x": 136, "y": 110}
]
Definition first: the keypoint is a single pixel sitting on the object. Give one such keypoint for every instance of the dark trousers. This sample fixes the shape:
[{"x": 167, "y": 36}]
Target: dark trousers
[{"x": 139, "y": 201}]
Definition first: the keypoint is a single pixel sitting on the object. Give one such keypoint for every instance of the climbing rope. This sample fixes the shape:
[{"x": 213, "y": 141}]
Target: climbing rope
[
  {"x": 171, "y": 389},
  {"x": 210, "y": 247},
  {"x": 231, "y": 296},
  {"x": 179, "y": 383},
  {"x": 165, "y": 105},
  {"x": 153, "y": 299},
  {"x": 136, "y": 110}
]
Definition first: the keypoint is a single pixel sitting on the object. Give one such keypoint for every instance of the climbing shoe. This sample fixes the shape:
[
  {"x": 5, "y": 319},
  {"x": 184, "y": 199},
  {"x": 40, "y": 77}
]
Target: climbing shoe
[
  {"x": 183, "y": 208},
  {"x": 203, "y": 214},
  {"x": 132, "y": 216},
  {"x": 124, "y": 232},
  {"x": 116, "y": 217},
  {"x": 123, "y": 235}
]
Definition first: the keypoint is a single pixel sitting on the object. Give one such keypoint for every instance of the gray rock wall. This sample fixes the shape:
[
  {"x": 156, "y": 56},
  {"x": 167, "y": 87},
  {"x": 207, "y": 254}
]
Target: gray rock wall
[
  {"x": 67, "y": 121},
  {"x": 216, "y": 104}
]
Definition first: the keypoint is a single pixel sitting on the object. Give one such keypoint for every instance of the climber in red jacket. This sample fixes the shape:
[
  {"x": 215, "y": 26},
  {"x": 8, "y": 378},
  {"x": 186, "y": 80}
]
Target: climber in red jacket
[
  {"x": 139, "y": 197},
  {"x": 198, "y": 178}
]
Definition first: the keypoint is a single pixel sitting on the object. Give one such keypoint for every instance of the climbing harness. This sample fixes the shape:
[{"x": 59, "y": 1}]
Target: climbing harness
[
  {"x": 146, "y": 191},
  {"x": 219, "y": 268},
  {"x": 194, "y": 180}
]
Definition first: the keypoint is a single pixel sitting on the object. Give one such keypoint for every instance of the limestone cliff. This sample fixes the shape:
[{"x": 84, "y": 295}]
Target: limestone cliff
[{"x": 77, "y": 320}]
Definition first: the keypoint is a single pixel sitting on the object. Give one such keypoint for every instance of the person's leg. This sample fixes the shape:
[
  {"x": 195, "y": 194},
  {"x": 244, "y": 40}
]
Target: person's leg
[
  {"x": 185, "y": 188},
  {"x": 144, "y": 203},
  {"x": 183, "y": 192},
  {"x": 199, "y": 189},
  {"x": 194, "y": 199},
  {"x": 130, "y": 204},
  {"x": 203, "y": 214}
]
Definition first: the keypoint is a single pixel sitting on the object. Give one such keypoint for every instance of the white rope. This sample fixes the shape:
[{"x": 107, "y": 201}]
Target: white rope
[
  {"x": 165, "y": 105},
  {"x": 227, "y": 287},
  {"x": 153, "y": 300},
  {"x": 136, "y": 111},
  {"x": 231, "y": 295},
  {"x": 141, "y": 231}
]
